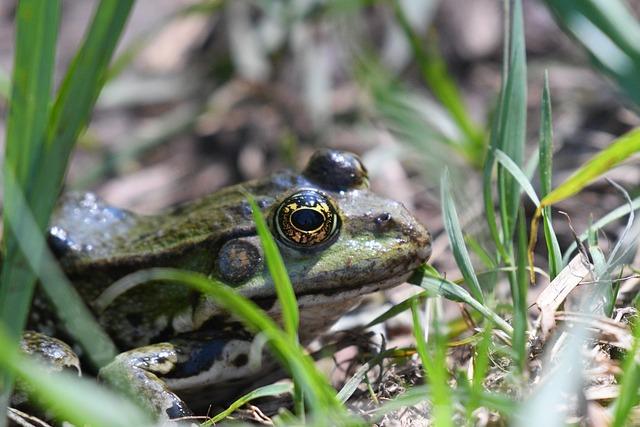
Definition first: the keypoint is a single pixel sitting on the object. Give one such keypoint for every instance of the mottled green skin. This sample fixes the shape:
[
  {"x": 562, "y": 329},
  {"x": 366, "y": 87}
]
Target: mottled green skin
[{"x": 378, "y": 246}]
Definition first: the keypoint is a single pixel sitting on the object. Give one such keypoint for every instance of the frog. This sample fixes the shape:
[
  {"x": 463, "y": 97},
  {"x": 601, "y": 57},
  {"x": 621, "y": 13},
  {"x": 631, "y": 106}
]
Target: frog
[{"x": 338, "y": 239}]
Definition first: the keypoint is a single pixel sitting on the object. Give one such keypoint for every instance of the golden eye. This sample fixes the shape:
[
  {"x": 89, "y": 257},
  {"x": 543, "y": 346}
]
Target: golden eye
[{"x": 306, "y": 219}]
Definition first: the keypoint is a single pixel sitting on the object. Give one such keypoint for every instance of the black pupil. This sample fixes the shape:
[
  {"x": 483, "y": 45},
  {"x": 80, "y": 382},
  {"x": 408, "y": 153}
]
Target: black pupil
[{"x": 307, "y": 219}]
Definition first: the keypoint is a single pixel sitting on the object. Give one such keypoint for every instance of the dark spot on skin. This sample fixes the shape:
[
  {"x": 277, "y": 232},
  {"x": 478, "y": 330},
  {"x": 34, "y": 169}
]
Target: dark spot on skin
[
  {"x": 240, "y": 360},
  {"x": 160, "y": 360},
  {"x": 238, "y": 260},
  {"x": 178, "y": 410}
]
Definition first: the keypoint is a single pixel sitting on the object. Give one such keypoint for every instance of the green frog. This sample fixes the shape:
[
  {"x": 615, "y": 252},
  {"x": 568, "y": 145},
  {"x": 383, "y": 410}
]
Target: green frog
[{"x": 339, "y": 241}]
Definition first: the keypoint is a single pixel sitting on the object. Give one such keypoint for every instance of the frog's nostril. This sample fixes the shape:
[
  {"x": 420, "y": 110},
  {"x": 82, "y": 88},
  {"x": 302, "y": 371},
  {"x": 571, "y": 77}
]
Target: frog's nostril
[{"x": 383, "y": 221}]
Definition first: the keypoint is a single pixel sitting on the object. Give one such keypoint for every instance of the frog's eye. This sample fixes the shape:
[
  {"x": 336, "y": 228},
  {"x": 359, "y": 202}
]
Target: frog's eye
[{"x": 306, "y": 219}]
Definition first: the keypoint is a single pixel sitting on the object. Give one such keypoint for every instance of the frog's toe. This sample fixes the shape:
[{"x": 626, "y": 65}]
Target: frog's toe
[{"x": 55, "y": 354}]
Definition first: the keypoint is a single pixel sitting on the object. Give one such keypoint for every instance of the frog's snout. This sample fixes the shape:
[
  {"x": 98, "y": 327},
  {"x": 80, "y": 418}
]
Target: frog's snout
[
  {"x": 412, "y": 233},
  {"x": 422, "y": 238}
]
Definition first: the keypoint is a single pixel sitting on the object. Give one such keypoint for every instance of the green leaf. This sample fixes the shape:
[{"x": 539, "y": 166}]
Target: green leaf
[
  {"x": 454, "y": 231},
  {"x": 275, "y": 264}
]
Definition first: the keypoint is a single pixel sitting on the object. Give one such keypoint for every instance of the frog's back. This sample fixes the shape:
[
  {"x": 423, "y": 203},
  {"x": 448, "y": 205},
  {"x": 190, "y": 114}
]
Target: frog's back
[{"x": 89, "y": 236}]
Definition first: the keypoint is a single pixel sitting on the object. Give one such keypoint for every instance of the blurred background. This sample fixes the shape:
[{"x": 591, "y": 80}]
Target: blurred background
[{"x": 204, "y": 94}]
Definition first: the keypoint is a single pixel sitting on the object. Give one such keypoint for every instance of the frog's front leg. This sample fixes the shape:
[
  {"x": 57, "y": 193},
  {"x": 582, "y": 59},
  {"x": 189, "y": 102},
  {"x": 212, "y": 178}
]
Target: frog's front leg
[
  {"x": 192, "y": 362},
  {"x": 136, "y": 372}
]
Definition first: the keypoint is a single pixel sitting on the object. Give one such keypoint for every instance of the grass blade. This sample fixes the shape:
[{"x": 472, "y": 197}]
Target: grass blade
[
  {"x": 513, "y": 118},
  {"x": 629, "y": 383},
  {"x": 480, "y": 368},
  {"x": 456, "y": 239},
  {"x": 612, "y": 216},
  {"x": 435, "y": 75},
  {"x": 37, "y": 26},
  {"x": 546, "y": 166},
  {"x": 610, "y": 33},
  {"x": 435, "y": 368},
  {"x": 437, "y": 285},
  {"x": 84, "y": 402},
  {"x": 268, "y": 390},
  {"x": 519, "y": 297},
  {"x": 72, "y": 311},
  {"x": 518, "y": 175},
  {"x": 36, "y": 35},
  {"x": 77, "y": 96},
  {"x": 619, "y": 150},
  {"x": 319, "y": 395},
  {"x": 275, "y": 264}
]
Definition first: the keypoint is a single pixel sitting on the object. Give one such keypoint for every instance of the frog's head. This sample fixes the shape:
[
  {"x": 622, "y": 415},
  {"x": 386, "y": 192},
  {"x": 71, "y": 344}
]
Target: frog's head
[{"x": 339, "y": 238}]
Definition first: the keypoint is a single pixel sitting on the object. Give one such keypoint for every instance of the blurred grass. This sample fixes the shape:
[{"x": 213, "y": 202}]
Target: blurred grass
[
  {"x": 39, "y": 141},
  {"x": 609, "y": 32},
  {"x": 76, "y": 400}
]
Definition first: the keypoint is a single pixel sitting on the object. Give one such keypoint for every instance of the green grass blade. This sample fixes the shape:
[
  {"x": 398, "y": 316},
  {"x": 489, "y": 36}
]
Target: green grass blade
[
  {"x": 5, "y": 85},
  {"x": 435, "y": 367},
  {"x": 437, "y": 285},
  {"x": 71, "y": 310},
  {"x": 275, "y": 264},
  {"x": 434, "y": 73},
  {"x": 512, "y": 121},
  {"x": 83, "y": 402},
  {"x": 629, "y": 383},
  {"x": 519, "y": 296},
  {"x": 418, "y": 394},
  {"x": 396, "y": 309},
  {"x": 77, "y": 95},
  {"x": 319, "y": 395},
  {"x": 268, "y": 390},
  {"x": 546, "y": 167},
  {"x": 36, "y": 34},
  {"x": 515, "y": 171},
  {"x": 621, "y": 149},
  {"x": 612, "y": 216},
  {"x": 480, "y": 368},
  {"x": 609, "y": 32},
  {"x": 456, "y": 239},
  {"x": 351, "y": 386}
]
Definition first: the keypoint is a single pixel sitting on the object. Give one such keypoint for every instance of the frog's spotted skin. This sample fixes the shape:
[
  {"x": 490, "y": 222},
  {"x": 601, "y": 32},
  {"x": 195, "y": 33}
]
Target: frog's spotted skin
[{"x": 175, "y": 339}]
